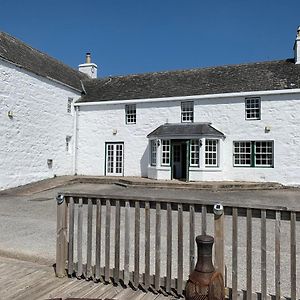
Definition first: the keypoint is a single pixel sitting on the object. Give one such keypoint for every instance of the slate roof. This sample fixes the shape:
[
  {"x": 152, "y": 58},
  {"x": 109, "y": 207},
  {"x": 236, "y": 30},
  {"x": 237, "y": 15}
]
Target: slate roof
[
  {"x": 262, "y": 76},
  {"x": 183, "y": 130},
  {"x": 16, "y": 51}
]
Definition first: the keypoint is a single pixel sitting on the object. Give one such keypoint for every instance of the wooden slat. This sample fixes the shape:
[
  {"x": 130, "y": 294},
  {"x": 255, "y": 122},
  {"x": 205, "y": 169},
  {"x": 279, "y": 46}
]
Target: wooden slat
[
  {"x": 107, "y": 241},
  {"x": 277, "y": 256},
  {"x": 61, "y": 239},
  {"x": 79, "y": 239},
  {"x": 169, "y": 248},
  {"x": 137, "y": 244},
  {"x": 89, "y": 239},
  {"x": 98, "y": 240},
  {"x": 157, "y": 246},
  {"x": 127, "y": 243},
  {"x": 234, "y": 253},
  {"x": 71, "y": 237},
  {"x": 263, "y": 255},
  {"x": 219, "y": 243},
  {"x": 147, "y": 245},
  {"x": 192, "y": 237},
  {"x": 180, "y": 251},
  {"x": 203, "y": 219},
  {"x": 117, "y": 242},
  {"x": 293, "y": 256},
  {"x": 249, "y": 254}
]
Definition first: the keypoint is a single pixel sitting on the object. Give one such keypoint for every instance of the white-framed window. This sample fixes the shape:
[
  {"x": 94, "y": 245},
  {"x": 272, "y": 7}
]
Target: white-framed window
[
  {"x": 252, "y": 108},
  {"x": 165, "y": 152},
  {"x": 253, "y": 154},
  {"x": 187, "y": 111},
  {"x": 69, "y": 105},
  {"x": 194, "y": 153},
  {"x": 130, "y": 113},
  {"x": 153, "y": 152},
  {"x": 211, "y": 153},
  {"x": 242, "y": 153}
]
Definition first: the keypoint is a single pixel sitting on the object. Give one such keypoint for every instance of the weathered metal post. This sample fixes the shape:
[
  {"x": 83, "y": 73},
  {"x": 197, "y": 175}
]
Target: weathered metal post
[
  {"x": 204, "y": 282},
  {"x": 61, "y": 236},
  {"x": 219, "y": 237}
]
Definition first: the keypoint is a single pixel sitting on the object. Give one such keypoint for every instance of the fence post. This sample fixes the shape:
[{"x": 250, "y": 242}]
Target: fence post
[
  {"x": 219, "y": 238},
  {"x": 61, "y": 236}
]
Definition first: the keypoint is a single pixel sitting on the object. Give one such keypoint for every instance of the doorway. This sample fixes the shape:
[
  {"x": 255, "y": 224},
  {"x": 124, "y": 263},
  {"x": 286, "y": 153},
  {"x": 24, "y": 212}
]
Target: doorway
[
  {"x": 114, "y": 159},
  {"x": 180, "y": 160}
]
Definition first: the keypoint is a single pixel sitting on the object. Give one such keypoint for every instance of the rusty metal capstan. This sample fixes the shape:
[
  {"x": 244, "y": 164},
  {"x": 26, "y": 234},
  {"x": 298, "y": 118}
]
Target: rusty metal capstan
[{"x": 204, "y": 282}]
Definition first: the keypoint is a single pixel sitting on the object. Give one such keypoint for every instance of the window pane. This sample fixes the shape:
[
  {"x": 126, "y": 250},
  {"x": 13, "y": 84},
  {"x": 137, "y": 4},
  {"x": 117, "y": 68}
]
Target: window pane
[
  {"x": 252, "y": 108},
  {"x": 194, "y": 153},
  {"x": 264, "y": 153},
  {"x": 242, "y": 153},
  {"x": 165, "y": 152},
  {"x": 153, "y": 153},
  {"x": 130, "y": 110}
]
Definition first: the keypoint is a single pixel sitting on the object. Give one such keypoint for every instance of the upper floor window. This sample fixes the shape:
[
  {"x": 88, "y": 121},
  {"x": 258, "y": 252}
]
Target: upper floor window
[
  {"x": 252, "y": 108},
  {"x": 69, "y": 105},
  {"x": 253, "y": 154},
  {"x": 187, "y": 111},
  {"x": 211, "y": 153},
  {"x": 130, "y": 113}
]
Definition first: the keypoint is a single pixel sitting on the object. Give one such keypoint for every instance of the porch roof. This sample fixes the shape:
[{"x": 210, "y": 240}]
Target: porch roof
[{"x": 185, "y": 130}]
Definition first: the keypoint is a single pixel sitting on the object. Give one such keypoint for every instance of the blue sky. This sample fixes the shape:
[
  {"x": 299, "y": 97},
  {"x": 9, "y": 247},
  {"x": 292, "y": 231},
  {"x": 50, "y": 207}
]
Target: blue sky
[{"x": 131, "y": 36}]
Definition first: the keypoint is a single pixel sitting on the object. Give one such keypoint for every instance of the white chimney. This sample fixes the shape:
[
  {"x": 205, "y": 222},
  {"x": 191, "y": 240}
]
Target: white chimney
[
  {"x": 297, "y": 47},
  {"x": 88, "y": 67}
]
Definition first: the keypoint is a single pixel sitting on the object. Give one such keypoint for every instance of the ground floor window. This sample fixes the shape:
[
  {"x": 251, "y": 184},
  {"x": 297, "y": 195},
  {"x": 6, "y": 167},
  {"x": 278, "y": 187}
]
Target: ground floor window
[
  {"x": 153, "y": 152},
  {"x": 253, "y": 153},
  {"x": 114, "y": 159},
  {"x": 194, "y": 153},
  {"x": 211, "y": 153},
  {"x": 165, "y": 152}
]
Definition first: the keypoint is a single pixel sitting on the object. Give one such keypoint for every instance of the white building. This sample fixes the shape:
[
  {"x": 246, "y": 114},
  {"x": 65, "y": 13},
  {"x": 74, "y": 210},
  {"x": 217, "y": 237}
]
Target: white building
[{"x": 238, "y": 122}]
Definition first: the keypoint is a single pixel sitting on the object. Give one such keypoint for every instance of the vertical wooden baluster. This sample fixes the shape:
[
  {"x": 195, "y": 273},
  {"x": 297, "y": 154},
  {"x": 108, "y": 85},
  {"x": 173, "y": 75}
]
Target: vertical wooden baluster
[
  {"x": 71, "y": 238},
  {"x": 169, "y": 248},
  {"x": 293, "y": 256},
  {"x": 192, "y": 237},
  {"x": 249, "y": 254},
  {"x": 107, "y": 241},
  {"x": 98, "y": 239},
  {"x": 137, "y": 245},
  {"x": 277, "y": 256},
  {"x": 147, "y": 245},
  {"x": 79, "y": 238},
  {"x": 127, "y": 243},
  {"x": 203, "y": 219},
  {"x": 157, "y": 246},
  {"x": 117, "y": 242},
  {"x": 180, "y": 251},
  {"x": 219, "y": 243},
  {"x": 234, "y": 252},
  {"x": 89, "y": 239},
  {"x": 263, "y": 255},
  {"x": 61, "y": 239}
]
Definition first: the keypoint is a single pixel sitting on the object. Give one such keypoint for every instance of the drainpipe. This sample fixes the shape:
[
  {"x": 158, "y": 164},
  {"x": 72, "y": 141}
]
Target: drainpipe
[{"x": 75, "y": 145}]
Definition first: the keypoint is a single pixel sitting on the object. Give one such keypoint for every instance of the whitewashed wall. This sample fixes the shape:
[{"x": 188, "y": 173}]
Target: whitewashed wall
[
  {"x": 38, "y": 129},
  {"x": 279, "y": 112}
]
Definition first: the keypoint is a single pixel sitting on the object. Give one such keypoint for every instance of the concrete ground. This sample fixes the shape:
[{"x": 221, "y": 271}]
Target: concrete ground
[{"x": 28, "y": 219}]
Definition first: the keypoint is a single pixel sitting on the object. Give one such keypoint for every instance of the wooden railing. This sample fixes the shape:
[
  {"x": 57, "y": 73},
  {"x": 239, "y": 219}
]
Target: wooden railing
[{"x": 150, "y": 243}]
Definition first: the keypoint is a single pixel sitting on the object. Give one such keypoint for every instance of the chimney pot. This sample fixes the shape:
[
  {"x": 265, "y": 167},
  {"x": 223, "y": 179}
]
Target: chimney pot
[{"x": 88, "y": 59}]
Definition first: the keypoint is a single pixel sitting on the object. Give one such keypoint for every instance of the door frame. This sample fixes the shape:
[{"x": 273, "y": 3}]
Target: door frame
[
  {"x": 185, "y": 142},
  {"x": 105, "y": 158}
]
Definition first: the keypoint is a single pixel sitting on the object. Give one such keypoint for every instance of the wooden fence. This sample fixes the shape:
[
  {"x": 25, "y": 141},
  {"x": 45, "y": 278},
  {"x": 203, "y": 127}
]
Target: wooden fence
[{"x": 150, "y": 243}]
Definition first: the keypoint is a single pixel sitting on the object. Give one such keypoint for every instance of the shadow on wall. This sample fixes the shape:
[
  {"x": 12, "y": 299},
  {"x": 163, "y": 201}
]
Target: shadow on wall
[{"x": 144, "y": 162}]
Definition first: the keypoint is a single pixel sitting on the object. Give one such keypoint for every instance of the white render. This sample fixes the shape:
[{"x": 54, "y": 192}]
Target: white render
[
  {"x": 279, "y": 123},
  {"x": 36, "y": 129}
]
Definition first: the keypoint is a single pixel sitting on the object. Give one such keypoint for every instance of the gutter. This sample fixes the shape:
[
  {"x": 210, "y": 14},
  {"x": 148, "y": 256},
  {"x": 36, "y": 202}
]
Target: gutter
[{"x": 196, "y": 97}]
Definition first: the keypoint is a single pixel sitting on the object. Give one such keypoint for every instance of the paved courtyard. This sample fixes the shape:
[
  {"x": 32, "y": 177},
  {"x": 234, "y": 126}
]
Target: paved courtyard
[{"x": 28, "y": 221}]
